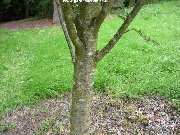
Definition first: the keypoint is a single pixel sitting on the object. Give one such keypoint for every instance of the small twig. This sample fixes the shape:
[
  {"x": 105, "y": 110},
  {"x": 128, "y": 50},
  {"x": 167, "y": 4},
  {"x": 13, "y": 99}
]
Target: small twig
[{"x": 145, "y": 37}]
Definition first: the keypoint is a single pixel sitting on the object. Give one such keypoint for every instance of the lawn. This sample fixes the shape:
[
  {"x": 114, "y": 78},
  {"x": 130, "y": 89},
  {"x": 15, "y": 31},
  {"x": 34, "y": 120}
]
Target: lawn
[{"x": 35, "y": 64}]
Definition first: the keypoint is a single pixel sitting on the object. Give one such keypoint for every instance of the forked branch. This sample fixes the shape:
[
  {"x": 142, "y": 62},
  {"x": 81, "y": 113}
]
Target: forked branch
[{"x": 121, "y": 30}]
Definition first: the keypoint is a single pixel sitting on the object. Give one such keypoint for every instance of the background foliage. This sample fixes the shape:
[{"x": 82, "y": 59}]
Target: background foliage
[{"x": 21, "y": 9}]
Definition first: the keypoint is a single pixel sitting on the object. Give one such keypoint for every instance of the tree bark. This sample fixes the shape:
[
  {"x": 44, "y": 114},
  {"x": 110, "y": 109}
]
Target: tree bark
[
  {"x": 82, "y": 92},
  {"x": 83, "y": 32},
  {"x": 55, "y": 13},
  {"x": 27, "y": 10},
  {"x": 132, "y": 3}
]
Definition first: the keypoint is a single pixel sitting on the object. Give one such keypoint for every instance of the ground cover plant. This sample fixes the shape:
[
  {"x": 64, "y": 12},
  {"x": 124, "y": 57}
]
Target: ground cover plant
[{"x": 35, "y": 63}]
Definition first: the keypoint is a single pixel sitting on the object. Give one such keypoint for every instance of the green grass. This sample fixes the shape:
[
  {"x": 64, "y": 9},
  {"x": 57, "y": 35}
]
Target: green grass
[{"x": 35, "y": 64}]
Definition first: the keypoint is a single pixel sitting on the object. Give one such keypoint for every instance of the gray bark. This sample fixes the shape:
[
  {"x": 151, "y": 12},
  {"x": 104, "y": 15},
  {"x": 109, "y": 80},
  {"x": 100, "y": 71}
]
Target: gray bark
[
  {"x": 84, "y": 70},
  {"x": 55, "y": 13},
  {"x": 82, "y": 93}
]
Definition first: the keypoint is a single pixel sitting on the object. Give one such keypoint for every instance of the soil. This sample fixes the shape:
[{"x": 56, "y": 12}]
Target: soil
[
  {"x": 28, "y": 24},
  {"x": 34, "y": 23},
  {"x": 111, "y": 116}
]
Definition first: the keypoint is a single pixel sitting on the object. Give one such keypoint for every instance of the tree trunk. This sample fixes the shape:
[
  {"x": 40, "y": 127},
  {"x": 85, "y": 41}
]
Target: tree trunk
[
  {"x": 27, "y": 10},
  {"x": 55, "y": 13},
  {"x": 83, "y": 30},
  {"x": 82, "y": 93}
]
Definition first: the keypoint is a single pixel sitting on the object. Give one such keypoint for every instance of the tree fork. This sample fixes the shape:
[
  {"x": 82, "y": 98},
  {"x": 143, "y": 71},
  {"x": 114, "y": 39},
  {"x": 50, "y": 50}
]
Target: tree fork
[{"x": 84, "y": 38}]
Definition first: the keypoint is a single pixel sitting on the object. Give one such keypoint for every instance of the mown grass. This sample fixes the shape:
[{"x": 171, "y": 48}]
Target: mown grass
[{"x": 35, "y": 64}]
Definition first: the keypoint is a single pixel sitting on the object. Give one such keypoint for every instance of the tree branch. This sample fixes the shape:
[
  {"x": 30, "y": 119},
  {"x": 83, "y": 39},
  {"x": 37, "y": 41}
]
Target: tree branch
[
  {"x": 67, "y": 14},
  {"x": 145, "y": 37},
  {"x": 106, "y": 7},
  {"x": 120, "y": 31}
]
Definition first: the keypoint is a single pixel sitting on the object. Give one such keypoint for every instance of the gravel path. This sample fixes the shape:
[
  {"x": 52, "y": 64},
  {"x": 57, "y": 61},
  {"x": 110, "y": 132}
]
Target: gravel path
[{"x": 111, "y": 116}]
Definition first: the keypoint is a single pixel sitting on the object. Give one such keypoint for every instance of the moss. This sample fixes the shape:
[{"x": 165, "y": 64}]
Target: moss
[
  {"x": 130, "y": 108},
  {"x": 138, "y": 119}
]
